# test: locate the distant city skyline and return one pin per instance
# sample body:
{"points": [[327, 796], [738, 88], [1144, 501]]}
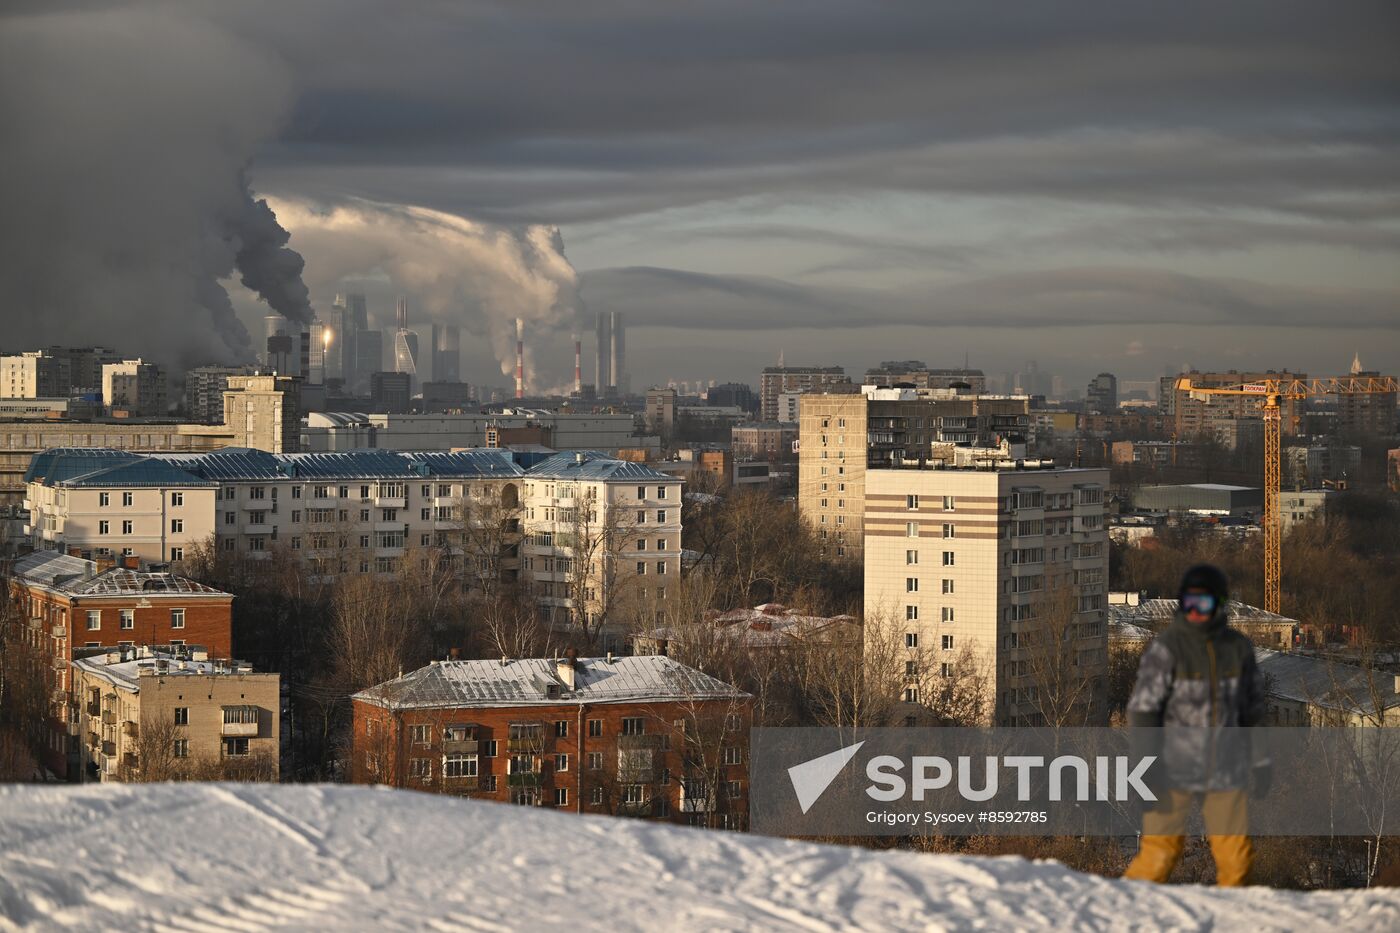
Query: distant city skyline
{"points": [[1118, 189]]}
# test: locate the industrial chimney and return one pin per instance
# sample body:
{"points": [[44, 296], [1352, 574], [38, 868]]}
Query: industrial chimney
{"points": [[519, 358], [578, 365]]}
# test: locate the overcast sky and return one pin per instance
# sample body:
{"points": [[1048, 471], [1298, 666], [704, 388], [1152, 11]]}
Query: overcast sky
{"points": [[1105, 185]]}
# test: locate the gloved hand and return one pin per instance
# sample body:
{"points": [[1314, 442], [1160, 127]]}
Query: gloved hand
{"points": [[1263, 778]]}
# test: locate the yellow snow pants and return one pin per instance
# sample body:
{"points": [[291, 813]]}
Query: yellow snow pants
{"points": [[1164, 837]]}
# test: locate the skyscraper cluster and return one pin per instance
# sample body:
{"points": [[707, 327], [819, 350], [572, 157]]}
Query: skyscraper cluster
{"points": [[612, 354]]}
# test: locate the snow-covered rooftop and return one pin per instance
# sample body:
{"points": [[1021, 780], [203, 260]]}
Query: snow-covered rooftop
{"points": [[191, 856], [75, 576], [125, 669], [527, 681], [1321, 682], [1155, 613]]}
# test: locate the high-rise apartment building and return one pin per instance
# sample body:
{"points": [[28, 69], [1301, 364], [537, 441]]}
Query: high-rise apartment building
{"points": [[1193, 418], [1102, 394], [264, 412], [204, 391], [842, 434], [134, 386], [918, 374], [1008, 561], [779, 379], [35, 374], [447, 353], [1366, 415]]}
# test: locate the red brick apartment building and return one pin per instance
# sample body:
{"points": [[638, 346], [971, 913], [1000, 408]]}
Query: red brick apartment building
{"points": [[68, 603], [634, 736]]}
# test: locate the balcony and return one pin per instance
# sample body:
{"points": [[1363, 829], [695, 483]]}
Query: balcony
{"points": [[240, 721], [129, 761], [531, 743], [109, 748], [390, 526], [60, 664], [131, 729], [94, 709], [109, 717], [636, 775], [631, 742], [461, 784], [459, 747], [391, 502], [263, 528], [523, 779], [93, 740], [59, 630]]}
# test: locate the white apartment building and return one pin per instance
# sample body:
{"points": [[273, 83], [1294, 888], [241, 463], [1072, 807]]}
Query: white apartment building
{"points": [[367, 511], [134, 386], [969, 557], [107, 502], [35, 374], [623, 519]]}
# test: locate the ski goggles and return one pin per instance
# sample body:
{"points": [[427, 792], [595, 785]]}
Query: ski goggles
{"points": [[1204, 603]]}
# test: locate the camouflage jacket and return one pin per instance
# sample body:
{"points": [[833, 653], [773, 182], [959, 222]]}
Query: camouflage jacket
{"points": [[1197, 682]]}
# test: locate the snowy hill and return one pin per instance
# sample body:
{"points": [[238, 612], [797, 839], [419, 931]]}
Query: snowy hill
{"points": [[246, 857]]}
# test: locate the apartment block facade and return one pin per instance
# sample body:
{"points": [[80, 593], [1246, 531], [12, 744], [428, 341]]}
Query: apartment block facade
{"points": [[134, 386], [776, 380], [842, 434], [147, 714], [979, 558], [71, 604], [638, 736], [1195, 417]]}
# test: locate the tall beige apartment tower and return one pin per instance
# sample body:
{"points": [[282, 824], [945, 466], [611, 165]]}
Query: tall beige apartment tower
{"points": [[990, 558], [844, 430], [264, 412]]}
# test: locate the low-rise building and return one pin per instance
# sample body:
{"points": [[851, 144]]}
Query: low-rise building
{"points": [[768, 440], [1266, 629], [1200, 498], [640, 736], [766, 627], [163, 715], [70, 604], [1306, 690]]}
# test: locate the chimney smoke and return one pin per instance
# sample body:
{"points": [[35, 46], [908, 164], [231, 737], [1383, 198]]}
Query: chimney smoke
{"points": [[519, 357]]}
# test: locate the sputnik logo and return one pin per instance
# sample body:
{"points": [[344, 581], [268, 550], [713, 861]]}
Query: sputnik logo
{"points": [[811, 778]]}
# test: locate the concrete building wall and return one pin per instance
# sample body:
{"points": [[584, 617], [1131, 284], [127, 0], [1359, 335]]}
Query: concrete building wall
{"points": [[151, 523], [983, 558], [135, 386], [264, 412]]}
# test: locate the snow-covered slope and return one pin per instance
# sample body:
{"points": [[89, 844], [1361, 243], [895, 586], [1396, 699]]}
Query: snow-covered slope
{"points": [[241, 857]]}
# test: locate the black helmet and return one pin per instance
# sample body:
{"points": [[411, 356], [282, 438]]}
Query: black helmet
{"points": [[1206, 577]]}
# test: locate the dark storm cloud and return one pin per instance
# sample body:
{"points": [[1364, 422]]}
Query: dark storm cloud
{"points": [[1076, 297]]}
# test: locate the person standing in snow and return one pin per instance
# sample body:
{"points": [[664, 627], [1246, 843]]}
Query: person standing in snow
{"points": [[1197, 679]]}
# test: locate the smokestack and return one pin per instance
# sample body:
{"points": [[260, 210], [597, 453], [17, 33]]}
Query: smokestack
{"points": [[578, 365], [519, 358]]}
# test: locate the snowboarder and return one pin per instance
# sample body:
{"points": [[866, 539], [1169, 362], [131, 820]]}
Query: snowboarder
{"points": [[1197, 679]]}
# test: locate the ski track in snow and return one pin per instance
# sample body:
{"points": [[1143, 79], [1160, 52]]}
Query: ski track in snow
{"points": [[243, 858]]}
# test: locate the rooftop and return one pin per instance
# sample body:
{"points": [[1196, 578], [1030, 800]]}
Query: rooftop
{"points": [[593, 464], [1155, 613], [535, 682], [125, 668], [765, 626], [1321, 682], [75, 576]]}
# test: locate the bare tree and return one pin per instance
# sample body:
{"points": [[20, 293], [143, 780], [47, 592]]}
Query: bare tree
{"points": [[1058, 651]]}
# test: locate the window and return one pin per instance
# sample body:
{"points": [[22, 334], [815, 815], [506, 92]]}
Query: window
{"points": [[947, 558], [595, 761], [177, 526], [128, 617], [911, 529], [633, 725], [177, 618], [230, 518], [911, 639], [182, 715], [488, 748], [127, 527], [102, 527], [661, 516], [911, 584], [911, 613], [126, 498], [947, 585], [595, 796], [420, 734], [661, 544], [911, 669], [947, 642], [458, 766], [661, 567], [561, 796], [240, 715], [948, 504], [94, 619], [911, 503], [420, 768], [911, 557], [946, 669], [641, 544], [182, 748], [634, 794], [595, 728], [103, 499], [296, 492], [561, 762], [660, 492], [733, 755], [177, 553], [948, 614], [257, 492], [911, 695], [177, 498], [949, 530], [641, 568]]}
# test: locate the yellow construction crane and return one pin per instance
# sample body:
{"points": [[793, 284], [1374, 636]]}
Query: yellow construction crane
{"points": [[1272, 392]]}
